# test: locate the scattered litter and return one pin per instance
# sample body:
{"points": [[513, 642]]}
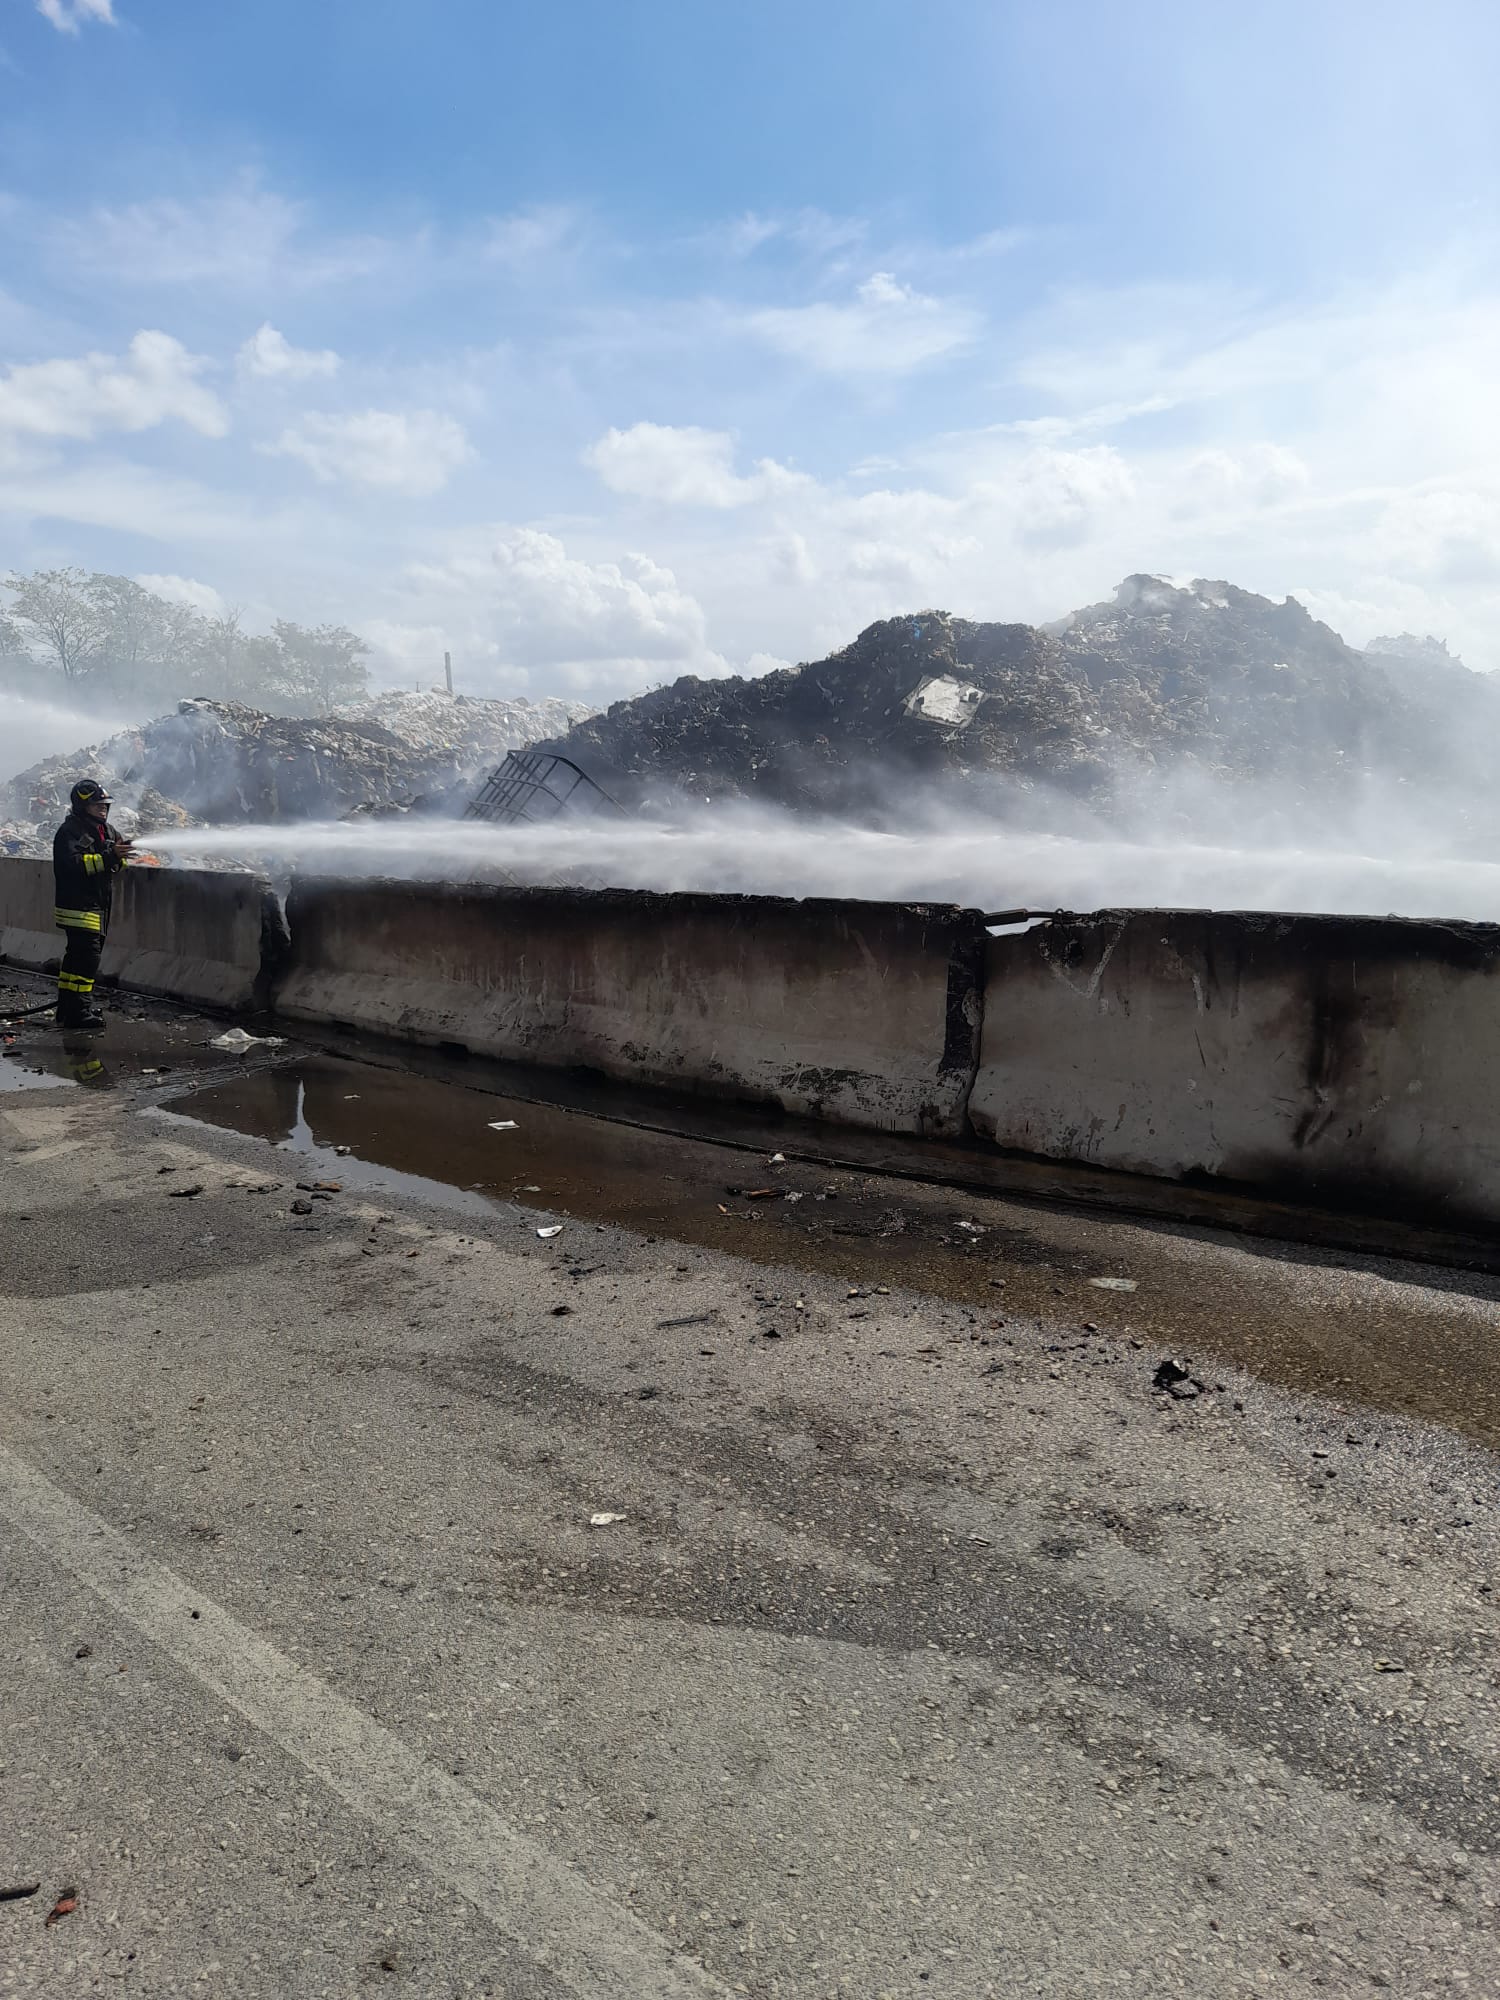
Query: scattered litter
{"points": [[530, 1188], [721, 1208], [558, 1311], [65, 1905], [185, 1194], [553, 1229], [236, 1042], [970, 1228], [150, 1072], [351, 1096], [1175, 1381], [761, 1194], [793, 1195], [692, 1319], [604, 1520], [1389, 1667], [17, 1890], [342, 1150], [777, 1160], [302, 1208], [1113, 1284], [84, 1653], [504, 1125]]}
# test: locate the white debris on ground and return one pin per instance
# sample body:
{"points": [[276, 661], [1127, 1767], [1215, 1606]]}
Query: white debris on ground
{"points": [[435, 720], [941, 698]]}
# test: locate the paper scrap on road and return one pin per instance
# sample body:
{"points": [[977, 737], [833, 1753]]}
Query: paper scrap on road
{"points": [[556, 1229], [604, 1520], [1113, 1284], [237, 1043], [504, 1125]]}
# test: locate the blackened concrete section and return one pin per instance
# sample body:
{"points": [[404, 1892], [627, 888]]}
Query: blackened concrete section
{"points": [[1348, 1061], [861, 1013]]}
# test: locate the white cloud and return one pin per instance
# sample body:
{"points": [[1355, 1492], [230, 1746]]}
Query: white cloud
{"points": [[411, 451], [240, 238], [887, 329], [1061, 495], [529, 234], [269, 355], [154, 382], [683, 466], [1259, 475], [184, 590], [593, 625], [68, 16]]}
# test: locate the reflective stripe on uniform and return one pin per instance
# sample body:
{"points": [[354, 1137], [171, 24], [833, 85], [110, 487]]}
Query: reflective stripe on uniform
{"points": [[78, 920], [74, 982], [93, 864]]}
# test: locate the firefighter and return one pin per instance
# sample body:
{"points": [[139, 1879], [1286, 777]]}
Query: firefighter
{"points": [[87, 854]]}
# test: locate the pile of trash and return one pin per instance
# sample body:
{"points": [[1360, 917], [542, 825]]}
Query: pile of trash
{"points": [[218, 763], [1168, 679]]}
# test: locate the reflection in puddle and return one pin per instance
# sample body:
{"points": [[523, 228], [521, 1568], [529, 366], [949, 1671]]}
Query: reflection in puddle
{"points": [[276, 1101]]}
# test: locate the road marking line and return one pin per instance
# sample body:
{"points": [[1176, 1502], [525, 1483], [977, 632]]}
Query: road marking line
{"points": [[555, 1914]]}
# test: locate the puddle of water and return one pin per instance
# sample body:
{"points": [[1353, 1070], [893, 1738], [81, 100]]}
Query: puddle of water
{"points": [[262, 1103], [1293, 1315], [17, 1074], [137, 1048]]}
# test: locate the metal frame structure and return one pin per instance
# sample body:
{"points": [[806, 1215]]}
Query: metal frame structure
{"points": [[533, 786]]}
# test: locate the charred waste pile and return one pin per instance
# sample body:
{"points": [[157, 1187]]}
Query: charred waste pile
{"points": [[217, 763], [1168, 687]]}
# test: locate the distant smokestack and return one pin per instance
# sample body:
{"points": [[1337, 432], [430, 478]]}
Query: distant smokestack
{"points": [[448, 670]]}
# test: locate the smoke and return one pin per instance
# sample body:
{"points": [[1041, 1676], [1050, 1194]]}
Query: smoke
{"points": [[755, 851], [36, 728]]}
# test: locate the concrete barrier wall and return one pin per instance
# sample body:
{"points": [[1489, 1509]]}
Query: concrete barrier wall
{"points": [[195, 934], [198, 934], [1347, 1061], [27, 933], [864, 1013]]}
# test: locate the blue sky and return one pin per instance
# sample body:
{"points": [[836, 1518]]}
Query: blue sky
{"points": [[605, 343]]}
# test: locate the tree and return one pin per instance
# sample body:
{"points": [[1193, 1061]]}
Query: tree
{"points": [[319, 668], [57, 614]]}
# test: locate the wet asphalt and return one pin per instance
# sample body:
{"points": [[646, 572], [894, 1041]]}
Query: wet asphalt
{"points": [[932, 1649]]}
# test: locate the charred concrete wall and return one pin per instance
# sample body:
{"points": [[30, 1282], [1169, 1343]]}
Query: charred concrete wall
{"points": [[215, 939], [1347, 1061], [862, 1013]]}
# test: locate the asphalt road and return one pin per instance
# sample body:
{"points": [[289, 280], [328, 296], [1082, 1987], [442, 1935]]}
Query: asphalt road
{"points": [[927, 1649]]}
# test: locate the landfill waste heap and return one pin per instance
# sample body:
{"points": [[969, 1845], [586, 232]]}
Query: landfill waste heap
{"points": [[219, 763], [1167, 680]]}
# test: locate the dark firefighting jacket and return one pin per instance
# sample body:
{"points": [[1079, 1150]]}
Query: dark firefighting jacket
{"points": [[86, 858]]}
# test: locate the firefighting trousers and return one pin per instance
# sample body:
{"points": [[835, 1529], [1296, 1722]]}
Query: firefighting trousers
{"points": [[79, 969]]}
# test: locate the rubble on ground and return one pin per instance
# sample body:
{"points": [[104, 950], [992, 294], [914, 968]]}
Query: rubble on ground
{"points": [[1197, 680], [220, 763]]}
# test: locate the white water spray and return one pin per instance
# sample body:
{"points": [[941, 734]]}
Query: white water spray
{"points": [[749, 852]]}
